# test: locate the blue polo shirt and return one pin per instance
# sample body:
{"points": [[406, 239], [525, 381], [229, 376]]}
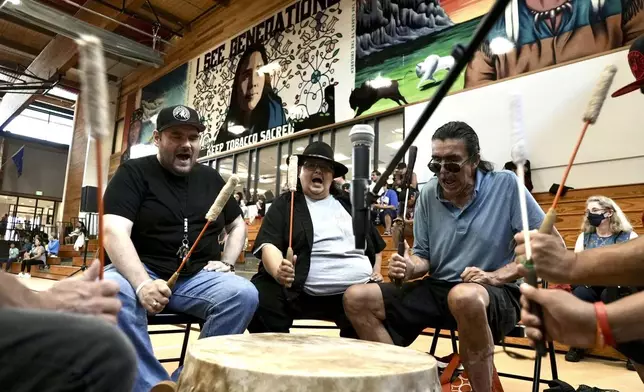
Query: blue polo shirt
{"points": [[479, 235]]}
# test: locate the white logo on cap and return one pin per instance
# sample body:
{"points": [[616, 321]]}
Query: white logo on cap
{"points": [[181, 113]]}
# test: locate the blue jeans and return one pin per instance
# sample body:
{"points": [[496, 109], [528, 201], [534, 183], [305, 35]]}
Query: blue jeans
{"points": [[224, 301]]}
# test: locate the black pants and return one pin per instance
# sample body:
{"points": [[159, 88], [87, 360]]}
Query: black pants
{"points": [[7, 263], [276, 313], [423, 303], [632, 350], [62, 352], [28, 263]]}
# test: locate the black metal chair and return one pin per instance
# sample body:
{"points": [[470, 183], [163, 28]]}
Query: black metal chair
{"points": [[517, 332], [181, 320]]}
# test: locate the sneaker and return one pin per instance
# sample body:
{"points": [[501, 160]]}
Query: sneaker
{"points": [[27, 276], [21, 275], [630, 365], [575, 354]]}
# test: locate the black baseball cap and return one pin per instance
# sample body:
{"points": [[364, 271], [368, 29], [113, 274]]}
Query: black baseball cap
{"points": [[178, 115]]}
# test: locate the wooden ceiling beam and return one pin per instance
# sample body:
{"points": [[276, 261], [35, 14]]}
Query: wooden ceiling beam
{"points": [[60, 55], [165, 15], [18, 46], [27, 25]]}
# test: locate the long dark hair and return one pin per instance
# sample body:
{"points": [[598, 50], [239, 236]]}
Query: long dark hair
{"points": [[260, 115], [460, 130]]}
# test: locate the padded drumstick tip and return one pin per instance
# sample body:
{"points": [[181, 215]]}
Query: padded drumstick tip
{"points": [[222, 198], [292, 173], [94, 98], [599, 94], [519, 151]]}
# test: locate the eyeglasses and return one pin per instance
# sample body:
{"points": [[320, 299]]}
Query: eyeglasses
{"points": [[312, 166], [451, 167]]}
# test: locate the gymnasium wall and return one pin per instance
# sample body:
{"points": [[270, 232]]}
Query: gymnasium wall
{"points": [[554, 102], [43, 168]]}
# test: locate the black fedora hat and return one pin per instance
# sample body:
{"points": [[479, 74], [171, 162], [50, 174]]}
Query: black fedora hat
{"points": [[323, 151]]}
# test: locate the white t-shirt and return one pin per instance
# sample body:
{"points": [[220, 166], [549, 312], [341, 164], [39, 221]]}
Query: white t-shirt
{"points": [[335, 262]]}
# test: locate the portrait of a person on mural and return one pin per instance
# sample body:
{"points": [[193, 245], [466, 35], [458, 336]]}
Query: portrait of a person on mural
{"points": [[254, 105]]}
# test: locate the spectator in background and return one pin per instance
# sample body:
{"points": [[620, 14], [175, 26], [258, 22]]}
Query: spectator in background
{"points": [[241, 201], [36, 256], [26, 246], [53, 246], [78, 230], [527, 174], [13, 257], [387, 205], [261, 206], [341, 180], [399, 175], [603, 224]]}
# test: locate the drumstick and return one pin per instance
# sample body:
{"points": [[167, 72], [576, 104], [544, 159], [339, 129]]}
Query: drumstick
{"points": [[291, 179], [590, 117], [212, 215], [94, 99], [519, 157]]}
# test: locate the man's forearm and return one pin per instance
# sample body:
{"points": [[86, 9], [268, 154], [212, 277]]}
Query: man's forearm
{"points": [[508, 273], [621, 264], [377, 266], [124, 257], [14, 294], [626, 317], [271, 258], [234, 242], [421, 266]]}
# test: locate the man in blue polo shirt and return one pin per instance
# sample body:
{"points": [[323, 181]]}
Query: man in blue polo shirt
{"points": [[464, 223]]}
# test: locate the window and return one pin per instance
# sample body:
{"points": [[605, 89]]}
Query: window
{"points": [[117, 142], [326, 137], [390, 138], [283, 166], [226, 167], [242, 173], [267, 172], [343, 148], [299, 145]]}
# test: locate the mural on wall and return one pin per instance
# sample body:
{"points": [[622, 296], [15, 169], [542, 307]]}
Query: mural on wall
{"points": [[134, 134], [535, 34], [171, 89], [293, 71], [404, 46]]}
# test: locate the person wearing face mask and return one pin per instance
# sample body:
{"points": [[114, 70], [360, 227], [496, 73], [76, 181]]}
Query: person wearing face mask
{"points": [[325, 261], [155, 207], [464, 223], [603, 224]]}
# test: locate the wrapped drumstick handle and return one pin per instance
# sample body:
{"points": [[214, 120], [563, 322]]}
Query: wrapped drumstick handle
{"points": [[212, 215], [536, 309], [292, 185]]}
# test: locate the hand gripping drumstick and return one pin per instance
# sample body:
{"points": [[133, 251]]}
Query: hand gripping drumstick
{"points": [[292, 185], [519, 157], [406, 183], [590, 117], [94, 101], [212, 215]]}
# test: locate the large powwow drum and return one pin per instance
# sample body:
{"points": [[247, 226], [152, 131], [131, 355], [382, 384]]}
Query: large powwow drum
{"points": [[304, 363]]}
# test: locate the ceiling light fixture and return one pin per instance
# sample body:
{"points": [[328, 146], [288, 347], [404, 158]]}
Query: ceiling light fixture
{"points": [[73, 28]]}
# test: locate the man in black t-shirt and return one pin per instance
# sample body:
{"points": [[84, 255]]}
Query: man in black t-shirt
{"points": [[155, 207]]}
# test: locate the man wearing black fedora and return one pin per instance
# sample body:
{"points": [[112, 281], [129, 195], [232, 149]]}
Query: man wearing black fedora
{"points": [[325, 261]]}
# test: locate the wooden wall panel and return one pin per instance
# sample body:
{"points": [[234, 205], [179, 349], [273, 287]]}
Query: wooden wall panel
{"points": [[76, 168]]}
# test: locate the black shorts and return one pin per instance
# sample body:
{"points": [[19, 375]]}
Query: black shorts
{"points": [[423, 303]]}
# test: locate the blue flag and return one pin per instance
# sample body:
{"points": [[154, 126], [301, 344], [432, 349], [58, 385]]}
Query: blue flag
{"points": [[17, 159]]}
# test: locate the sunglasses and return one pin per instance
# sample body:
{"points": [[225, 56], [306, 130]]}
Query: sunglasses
{"points": [[312, 166], [452, 167]]}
